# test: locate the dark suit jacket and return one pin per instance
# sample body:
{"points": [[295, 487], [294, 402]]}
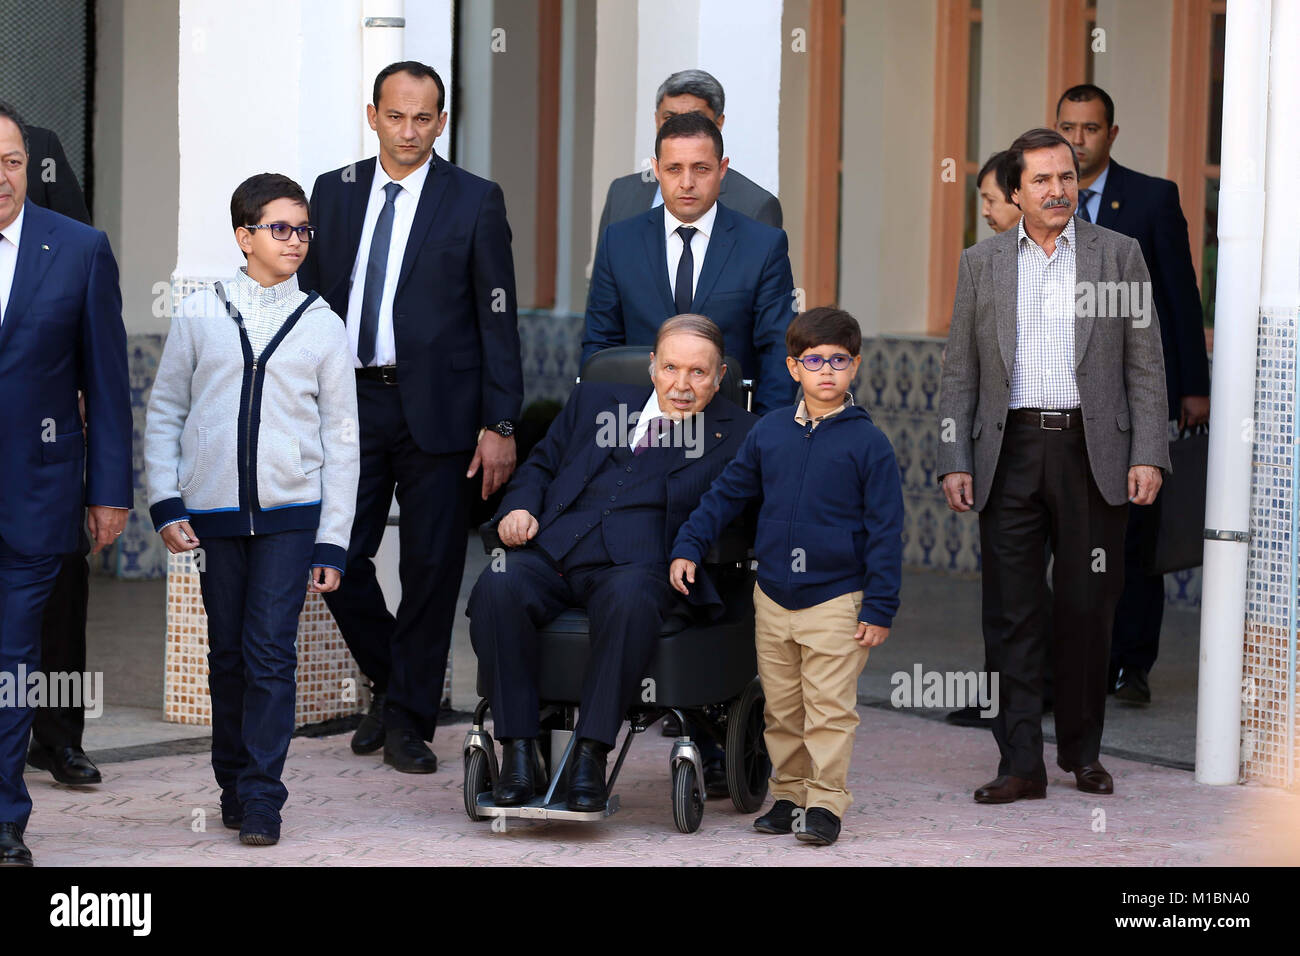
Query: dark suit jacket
{"points": [[62, 330], [1146, 208], [561, 465], [632, 195], [53, 184], [1118, 365], [454, 311], [745, 286]]}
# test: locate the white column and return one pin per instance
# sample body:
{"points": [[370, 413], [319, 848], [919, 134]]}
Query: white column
{"points": [[383, 35], [1232, 392]]}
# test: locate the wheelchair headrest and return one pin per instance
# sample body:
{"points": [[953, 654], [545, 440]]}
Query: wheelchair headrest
{"points": [[630, 364]]}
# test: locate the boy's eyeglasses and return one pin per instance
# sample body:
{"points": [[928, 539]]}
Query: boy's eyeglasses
{"points": [[281, 231], [839, 361]]}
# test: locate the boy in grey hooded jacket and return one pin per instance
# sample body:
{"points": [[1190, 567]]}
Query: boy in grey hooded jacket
{"points": [[253, 460]]}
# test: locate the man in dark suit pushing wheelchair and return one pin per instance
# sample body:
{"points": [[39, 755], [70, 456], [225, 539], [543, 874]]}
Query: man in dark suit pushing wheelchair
{"points": [[588, 519]]}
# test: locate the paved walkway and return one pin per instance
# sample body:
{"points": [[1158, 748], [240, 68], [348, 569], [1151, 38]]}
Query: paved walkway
{"points": [[912, 778]]}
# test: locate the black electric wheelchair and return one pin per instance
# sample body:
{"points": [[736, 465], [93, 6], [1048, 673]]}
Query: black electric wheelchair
{"points": [[703, 672]]}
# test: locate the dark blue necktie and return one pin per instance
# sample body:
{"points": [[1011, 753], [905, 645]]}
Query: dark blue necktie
{"points": [[653, 434], [376, 269], [685, 290], [1085, 196]]}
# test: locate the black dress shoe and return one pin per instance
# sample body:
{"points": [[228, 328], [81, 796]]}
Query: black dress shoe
{"points": [[969, 717], [820, 827], [259, 830], [1008, 789], [670, 726], [780, 819], [69, 765], [587, 776], [369, 735], [13, 851], [405, 751], [1131, 686], [1091, 778], [515, 784]]}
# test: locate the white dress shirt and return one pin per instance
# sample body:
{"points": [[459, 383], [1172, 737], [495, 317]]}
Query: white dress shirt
{"points": [[1042, 375], [403, 215], [699, 245], [649, 412], [9, 259]]}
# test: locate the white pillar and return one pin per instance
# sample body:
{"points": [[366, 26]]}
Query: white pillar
{"points": [[1232, 392], [383, 35]]}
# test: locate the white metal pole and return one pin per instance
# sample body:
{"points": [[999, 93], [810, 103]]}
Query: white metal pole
{"points": [[383, 41], [1232, 392]]}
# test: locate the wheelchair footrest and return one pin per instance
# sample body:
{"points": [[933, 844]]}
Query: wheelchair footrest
{"points": [[538, 810]]}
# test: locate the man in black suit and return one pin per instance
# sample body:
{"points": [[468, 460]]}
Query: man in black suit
{"points": [[688, 91], [57, 731], [589, 519], [415, 253], [1146, 208]]}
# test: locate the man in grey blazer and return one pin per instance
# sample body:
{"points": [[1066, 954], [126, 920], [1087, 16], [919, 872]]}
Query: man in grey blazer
{"points": [[689, 91], [1053, 419]]}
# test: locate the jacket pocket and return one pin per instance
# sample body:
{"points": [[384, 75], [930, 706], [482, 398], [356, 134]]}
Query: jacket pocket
{"points": [[280, 477], [194, 454], [68, 446], [1122, 420]]}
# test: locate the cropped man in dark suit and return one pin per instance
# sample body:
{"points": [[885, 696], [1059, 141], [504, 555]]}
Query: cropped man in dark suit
{"points": [[1146, 208], [415, 253], [688, 91], [60, 331], [1051, 421], [693, 254], [57, 731], [590, 517]]}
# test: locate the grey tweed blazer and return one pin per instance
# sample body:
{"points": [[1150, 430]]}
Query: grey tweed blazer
{"points": [[1119, 362]]}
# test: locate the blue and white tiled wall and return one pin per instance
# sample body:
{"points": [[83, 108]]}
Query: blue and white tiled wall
{"points": [[898, 383]]}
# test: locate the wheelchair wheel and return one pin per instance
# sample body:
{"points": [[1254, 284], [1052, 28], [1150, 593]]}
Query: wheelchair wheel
{"points": [[476, 781], [688, 797], [748, 766]]}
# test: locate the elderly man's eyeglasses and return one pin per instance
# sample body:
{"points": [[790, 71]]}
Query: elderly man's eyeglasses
{"points": [[281, 231], [839, 361]]}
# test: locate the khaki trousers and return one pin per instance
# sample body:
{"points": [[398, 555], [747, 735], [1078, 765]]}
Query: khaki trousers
{"points": [[809, 664]]}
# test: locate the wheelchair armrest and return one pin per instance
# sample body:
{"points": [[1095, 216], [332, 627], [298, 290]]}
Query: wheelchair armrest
{"points": [[487, 533]]}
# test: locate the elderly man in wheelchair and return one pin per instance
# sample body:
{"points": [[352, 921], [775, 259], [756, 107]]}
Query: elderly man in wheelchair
{"points": [[585, 528]]}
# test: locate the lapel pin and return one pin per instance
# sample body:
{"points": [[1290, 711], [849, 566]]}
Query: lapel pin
{"points": [[45, 247], [717, 434], [1114, 204]]}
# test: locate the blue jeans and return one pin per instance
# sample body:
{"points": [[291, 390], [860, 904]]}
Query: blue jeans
{"points": [[253, 591]]}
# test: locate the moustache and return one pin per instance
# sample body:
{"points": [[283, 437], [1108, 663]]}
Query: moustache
{"points": [[1062, 203]]}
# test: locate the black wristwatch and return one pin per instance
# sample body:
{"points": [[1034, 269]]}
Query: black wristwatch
{"points": [[505, 428]]}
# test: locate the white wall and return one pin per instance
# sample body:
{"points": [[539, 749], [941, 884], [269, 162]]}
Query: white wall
{"points": [[136, 155], [1134, 70]]}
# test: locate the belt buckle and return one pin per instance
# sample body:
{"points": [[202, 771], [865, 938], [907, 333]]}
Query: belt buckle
{"points": [[1042, 421], [388, 374]]}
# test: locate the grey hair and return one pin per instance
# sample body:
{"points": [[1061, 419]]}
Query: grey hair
{"points": [[694, 324], [694, 83]]}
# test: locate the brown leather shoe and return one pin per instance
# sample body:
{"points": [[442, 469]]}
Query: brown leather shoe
{"points": [[1091, 778], [1008, 789]]}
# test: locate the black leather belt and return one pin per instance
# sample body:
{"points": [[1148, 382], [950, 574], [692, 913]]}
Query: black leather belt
{"points": [[379, 373], [1046, 419]]}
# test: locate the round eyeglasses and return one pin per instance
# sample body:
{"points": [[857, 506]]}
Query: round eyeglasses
{"points": [[281, 231], [839, 361]]}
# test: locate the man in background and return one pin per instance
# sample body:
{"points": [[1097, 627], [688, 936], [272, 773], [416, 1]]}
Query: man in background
{"points": [[1146, 208], [689, 91]]}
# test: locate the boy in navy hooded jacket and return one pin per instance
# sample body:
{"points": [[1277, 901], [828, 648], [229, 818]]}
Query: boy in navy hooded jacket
{"points": [[829, 549]]}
